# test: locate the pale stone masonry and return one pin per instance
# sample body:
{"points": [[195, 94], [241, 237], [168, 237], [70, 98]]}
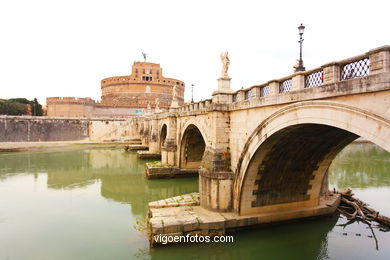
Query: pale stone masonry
{"points": [[267, 152]]}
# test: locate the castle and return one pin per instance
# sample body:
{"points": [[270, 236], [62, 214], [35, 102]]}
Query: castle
{"points": [[146, 89]]}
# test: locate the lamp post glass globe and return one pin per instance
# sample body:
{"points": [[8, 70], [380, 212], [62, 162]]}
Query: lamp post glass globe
{"points": [[301, 28]]}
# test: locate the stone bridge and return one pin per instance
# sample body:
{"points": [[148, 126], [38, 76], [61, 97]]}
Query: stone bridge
{"points": [[268, 148]]}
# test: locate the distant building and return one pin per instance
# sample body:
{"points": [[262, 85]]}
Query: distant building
{"points": [[123, 96]]}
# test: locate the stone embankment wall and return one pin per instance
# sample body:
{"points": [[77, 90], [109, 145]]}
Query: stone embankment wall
{"points": [[41, 129]]}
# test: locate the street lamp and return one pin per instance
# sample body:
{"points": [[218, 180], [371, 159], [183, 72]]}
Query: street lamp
{"points": [[300, 67]]}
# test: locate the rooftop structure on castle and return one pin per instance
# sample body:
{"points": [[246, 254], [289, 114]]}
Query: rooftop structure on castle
{"points": [[144, 89]]}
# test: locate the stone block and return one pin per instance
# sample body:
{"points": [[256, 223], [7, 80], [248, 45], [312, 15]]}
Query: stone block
{"points": [[146, 155], [157, 171]]}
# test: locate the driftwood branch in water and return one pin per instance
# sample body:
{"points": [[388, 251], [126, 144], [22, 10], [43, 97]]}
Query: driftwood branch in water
{"points": [[354, 208], [373, 235]]}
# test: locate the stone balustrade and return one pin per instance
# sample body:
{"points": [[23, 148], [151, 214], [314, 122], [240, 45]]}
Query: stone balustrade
{"points": [[201, 105], [373, 62]]}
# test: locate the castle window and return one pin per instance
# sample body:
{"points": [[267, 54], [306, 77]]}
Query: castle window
{"points": [[147, 78], [136, 70], [143, 71]]}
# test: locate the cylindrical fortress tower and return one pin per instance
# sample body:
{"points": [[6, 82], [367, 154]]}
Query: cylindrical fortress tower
{"points": [[145, 86]]}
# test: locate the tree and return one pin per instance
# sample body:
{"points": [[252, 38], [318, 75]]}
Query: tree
{"points": [[19, 106]]}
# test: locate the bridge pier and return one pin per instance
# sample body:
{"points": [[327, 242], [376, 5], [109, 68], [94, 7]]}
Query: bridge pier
{"points": [[215, 176], [154, 145], [169, 147], [153, 148], [216, 190], [145, 132]]}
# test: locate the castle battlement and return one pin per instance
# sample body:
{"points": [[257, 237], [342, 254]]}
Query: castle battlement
{"points": [[71, 100], [133, 80]]}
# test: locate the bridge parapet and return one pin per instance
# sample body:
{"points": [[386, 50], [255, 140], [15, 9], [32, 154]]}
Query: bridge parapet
{"points": [[295, 87], [316, 83], [201, 105]]}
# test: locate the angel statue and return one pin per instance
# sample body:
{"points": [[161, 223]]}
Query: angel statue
{"points": [[175, 92], [157, 101], [225, 64]]}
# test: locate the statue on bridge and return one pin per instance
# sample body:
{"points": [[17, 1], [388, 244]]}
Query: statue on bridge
{"points": [[175, 95], [175, 92], [225, 64], [157, 102], [148, 109]]}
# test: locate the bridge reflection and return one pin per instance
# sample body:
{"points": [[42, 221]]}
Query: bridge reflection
{"points": [[120, 174], [308, 240]]}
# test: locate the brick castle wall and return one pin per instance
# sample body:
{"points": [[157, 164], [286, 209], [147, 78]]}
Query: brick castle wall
{"points": [[123, 96]]}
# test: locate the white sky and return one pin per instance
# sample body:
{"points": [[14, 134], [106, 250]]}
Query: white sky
{"points": [[64, 48]]}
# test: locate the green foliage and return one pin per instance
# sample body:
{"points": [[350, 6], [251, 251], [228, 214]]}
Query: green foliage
{"points": [[141, 224], [20, 106], [8, 107], [20, 100]]}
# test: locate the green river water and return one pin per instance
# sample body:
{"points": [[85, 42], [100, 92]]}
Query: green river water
{"points": [[84, 204]]}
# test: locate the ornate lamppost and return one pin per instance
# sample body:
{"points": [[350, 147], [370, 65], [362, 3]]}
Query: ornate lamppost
{"points": [[300, 67]]}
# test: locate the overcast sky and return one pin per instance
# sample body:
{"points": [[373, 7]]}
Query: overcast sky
{"points": [[64, 48]]}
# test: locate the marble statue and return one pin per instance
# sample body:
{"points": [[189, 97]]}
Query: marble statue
{"points": [[225, 64], [175, 92], [157, 102]]}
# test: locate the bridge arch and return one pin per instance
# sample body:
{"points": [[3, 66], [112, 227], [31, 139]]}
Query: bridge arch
{"points": [[192, 147], [284, 161], [163, 134]]}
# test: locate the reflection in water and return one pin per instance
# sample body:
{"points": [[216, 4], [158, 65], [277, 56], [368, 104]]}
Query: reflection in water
{"points": [[120, 174], [361, 165], [292, 241], [137, 191], [75, 205]]}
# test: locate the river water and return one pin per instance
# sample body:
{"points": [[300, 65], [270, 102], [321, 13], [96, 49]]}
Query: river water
{"points": [[88, 204]]}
